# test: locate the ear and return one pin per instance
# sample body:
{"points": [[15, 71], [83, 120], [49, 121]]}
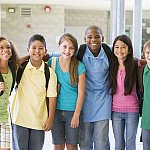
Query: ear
{"points": [[102, 39], [27, 50], [84, 39], [45, 51]]}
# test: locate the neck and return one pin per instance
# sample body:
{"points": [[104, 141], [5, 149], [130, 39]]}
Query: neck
{"points": [[121, 65], [36, 64], [3, 66]]}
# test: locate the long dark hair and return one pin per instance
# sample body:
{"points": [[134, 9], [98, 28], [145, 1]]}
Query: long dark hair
{"points": [[129, 63]]}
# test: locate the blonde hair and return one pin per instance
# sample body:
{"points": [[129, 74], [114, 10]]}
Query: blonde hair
{"points": [[73, 67], [146, 45]]}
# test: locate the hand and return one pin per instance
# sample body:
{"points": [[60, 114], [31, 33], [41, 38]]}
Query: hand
{"points": [[47, 125], [2, 86], [75, 121]]}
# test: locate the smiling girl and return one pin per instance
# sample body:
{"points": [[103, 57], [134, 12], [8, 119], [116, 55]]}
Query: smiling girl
{"points": [[125, 106], [8, 55], [71, 79]]}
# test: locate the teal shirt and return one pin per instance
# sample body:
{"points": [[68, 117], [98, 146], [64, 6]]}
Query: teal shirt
{"points": [[145, 121], [4, 99], [68, 94]]}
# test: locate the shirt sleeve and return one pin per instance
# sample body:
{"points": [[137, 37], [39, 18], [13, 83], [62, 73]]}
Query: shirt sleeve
{"points": [[54, 54], [52, 85], [81, 68]]}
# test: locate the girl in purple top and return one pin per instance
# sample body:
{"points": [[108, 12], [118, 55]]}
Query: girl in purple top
{"points": [[125, 105]]}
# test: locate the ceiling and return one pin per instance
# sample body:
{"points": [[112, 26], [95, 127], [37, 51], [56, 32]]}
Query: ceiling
{"points": [[81, 4]]}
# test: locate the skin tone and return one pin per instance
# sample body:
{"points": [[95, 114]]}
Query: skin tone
{"points": [[37, 52], [93, 38], [5, 54], [121, 52], [147, 56], [67, 51]]}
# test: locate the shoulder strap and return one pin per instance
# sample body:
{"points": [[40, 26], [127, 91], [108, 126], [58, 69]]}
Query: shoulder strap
{"points": [[53, 64], [13, 71], [47, 74], [107, 51], [81, 52], [82, 49], [20, 72]]}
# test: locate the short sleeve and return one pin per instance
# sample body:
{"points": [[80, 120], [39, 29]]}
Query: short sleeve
{"points": [[52, 85], [81, 68]]}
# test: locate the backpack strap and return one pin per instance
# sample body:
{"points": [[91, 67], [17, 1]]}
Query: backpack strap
{"points": [[20, 72], [107, 51], [53, 64], [82, 49], [81, 52], [47, 74], [13, 71]]}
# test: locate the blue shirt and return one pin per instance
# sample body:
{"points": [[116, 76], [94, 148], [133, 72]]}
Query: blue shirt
{"points": [[98, 100], [68, 94]]}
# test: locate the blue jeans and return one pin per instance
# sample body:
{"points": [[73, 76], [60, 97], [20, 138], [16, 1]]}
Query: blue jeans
{"points": [[146, 139], [125, 129], [62, 132], [27, 139], [94, 134]]}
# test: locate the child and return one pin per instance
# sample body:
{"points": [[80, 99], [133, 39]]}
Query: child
{"points": [[145, 121], [29, 111], [125, 106], [8, 55], [71, 78]]}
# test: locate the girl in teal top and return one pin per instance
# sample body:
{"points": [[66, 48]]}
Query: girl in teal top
{"points": [[71, 87], [145, 121], [7, 54]]}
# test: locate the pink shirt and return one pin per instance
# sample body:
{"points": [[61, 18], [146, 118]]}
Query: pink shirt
{"points": [[122, 103]]}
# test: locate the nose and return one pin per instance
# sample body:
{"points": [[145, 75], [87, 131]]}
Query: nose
{"points": [[37, 50]]}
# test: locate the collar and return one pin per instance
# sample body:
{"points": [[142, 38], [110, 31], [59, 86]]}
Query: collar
{"points": [[101, 54], [30, 66]]}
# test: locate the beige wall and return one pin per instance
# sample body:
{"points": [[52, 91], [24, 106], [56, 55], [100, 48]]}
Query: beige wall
{"points": [[59, 20]]}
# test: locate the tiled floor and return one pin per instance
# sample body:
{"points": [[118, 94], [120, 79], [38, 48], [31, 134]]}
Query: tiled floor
{"points": [[48, 144]]}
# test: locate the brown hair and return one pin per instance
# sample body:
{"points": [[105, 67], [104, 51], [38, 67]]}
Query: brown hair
{"points": [[73, 68]]}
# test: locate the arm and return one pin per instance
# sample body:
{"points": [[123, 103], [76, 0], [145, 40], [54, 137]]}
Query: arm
{"points": [[80, 100], [143, 62], [49, 122], [52, 54], [52, 95]]}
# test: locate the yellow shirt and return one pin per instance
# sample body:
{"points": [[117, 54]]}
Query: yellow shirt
{"points": [[29, 107]]}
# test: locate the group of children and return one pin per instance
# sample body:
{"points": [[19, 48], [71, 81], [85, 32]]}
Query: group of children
{"points": [[78, 99]]}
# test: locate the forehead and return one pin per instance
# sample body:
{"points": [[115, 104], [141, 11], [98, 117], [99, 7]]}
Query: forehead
{"points": [[4, 42], [118, 42], [92, 32], [36, 43], [147, 48], [66, 42]]}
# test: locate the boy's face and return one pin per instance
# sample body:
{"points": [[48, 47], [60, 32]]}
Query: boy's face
{"points": [[147, 55], [36, 51], [93, 38]]}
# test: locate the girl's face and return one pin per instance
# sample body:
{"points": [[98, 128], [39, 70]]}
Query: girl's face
{"points": [[5, 50], [121, 50], [147, 55], [36, 51], [67, 49]]}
